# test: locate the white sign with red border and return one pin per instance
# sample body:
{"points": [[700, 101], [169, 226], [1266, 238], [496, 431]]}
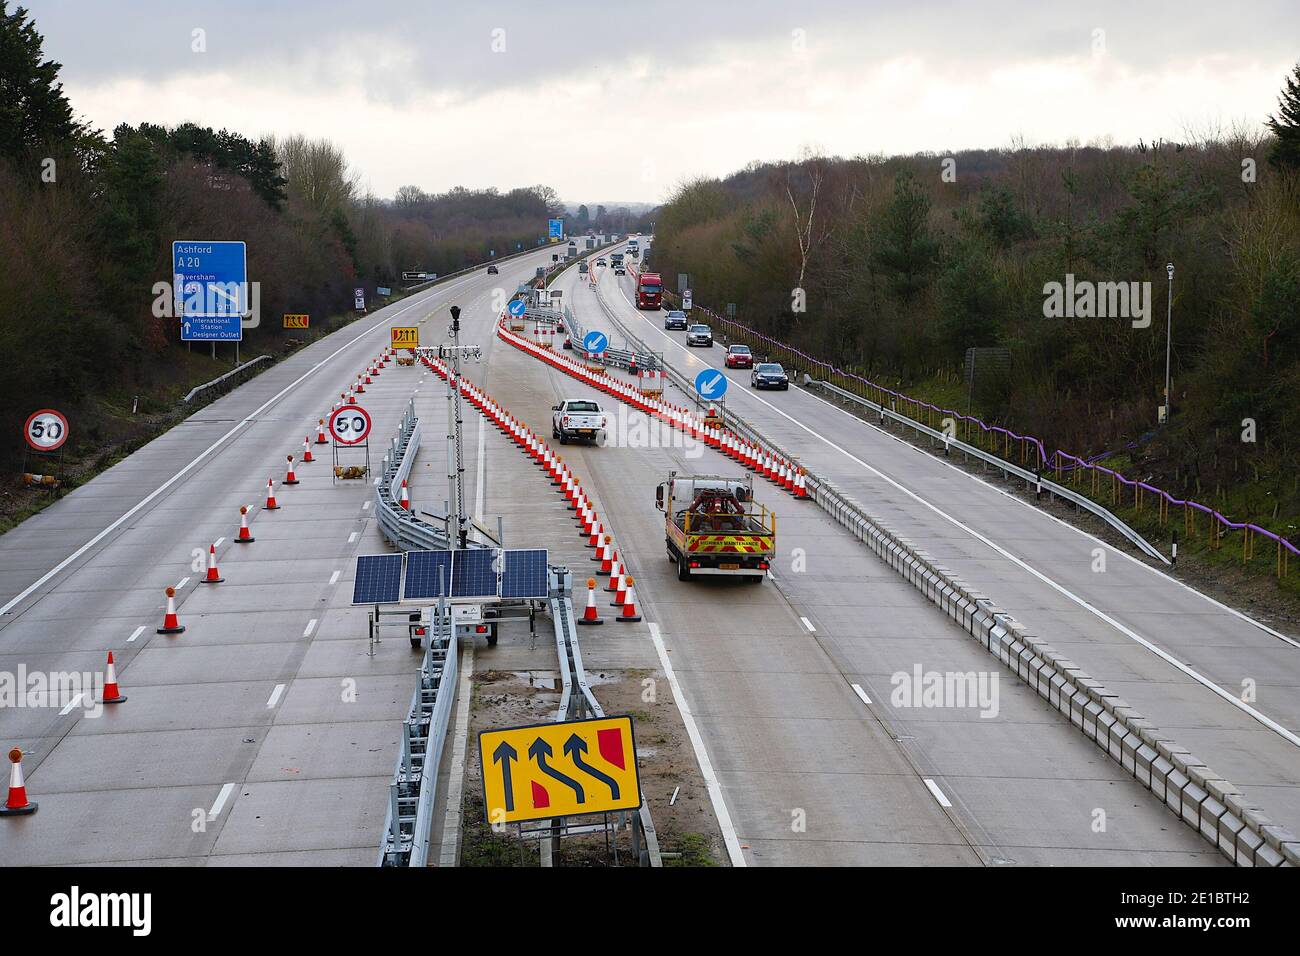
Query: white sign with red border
{"points": [[46, 430], [350, 425]]}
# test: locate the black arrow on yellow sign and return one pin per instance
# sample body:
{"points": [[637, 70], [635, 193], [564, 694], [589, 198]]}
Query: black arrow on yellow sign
{"points": [[539, 751], [574, 748], [503, 755]]}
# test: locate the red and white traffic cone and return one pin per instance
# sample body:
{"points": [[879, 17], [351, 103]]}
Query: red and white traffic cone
{"points": [[214, 576], [629, 614], [620, 587], [606, 559], [574, 495], [597, 530], [112, 693], [405, 500], [787, 479], [270, 496], [615, 575], [360, 387], [245, 536], [306, 451], [800, 486], [589, 616], [289, 477], [17, 804], [320, 433], [171, 623]]}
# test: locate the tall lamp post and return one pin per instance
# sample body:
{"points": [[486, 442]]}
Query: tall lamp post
{"points": [[1169, 341]]}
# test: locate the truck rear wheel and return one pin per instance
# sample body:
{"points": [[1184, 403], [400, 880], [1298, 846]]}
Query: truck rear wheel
{"points": [[683, 570]]}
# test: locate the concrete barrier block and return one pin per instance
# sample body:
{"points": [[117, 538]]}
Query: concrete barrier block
{"points": [[1190, 801], [1142, 760]]}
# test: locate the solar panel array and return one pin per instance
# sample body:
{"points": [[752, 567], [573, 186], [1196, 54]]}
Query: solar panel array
{"points": [[485, 573], [378, 580]]}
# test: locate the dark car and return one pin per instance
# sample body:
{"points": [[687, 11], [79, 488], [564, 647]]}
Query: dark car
{"points": [[769, 375], [700, 335], [620, 271], [676, 319], [492, 270], [739, 356]]}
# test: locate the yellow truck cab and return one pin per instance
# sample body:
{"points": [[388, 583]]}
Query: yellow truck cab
{"points": [[713, 526]]}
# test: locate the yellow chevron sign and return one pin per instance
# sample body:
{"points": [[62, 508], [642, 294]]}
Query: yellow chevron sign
{"points": [[296, 320], [559, 770], [405, 337]]}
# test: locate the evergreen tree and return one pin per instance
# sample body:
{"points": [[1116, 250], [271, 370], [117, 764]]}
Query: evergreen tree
{"points": [[1286, 125], [33, 110]]}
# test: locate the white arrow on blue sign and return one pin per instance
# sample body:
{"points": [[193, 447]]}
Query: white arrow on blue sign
{"points": [[595, 342], [517, 307], [711, 384], [210, 285]]}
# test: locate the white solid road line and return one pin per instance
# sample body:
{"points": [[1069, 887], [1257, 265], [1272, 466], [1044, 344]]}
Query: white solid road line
{"points": [[222, 797], [58, 568], [71, 704], [808, 624], [275, 697], [1061, 589], [456, 773], [729, 837], [938, 794], [311, 626], [136, 633], [334, 577], [862, 694]]}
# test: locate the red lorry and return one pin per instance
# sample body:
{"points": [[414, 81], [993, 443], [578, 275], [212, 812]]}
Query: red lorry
{"points": [[649, 290]]}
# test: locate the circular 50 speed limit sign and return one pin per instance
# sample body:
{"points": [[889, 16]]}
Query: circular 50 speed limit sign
{"points": [[350, 425], [46, 430]]}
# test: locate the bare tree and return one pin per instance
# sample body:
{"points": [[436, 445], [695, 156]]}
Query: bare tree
{"points": [[807, 233]]}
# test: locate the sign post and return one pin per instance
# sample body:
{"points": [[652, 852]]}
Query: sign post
{"points": [[45, 432], [350, 426]]}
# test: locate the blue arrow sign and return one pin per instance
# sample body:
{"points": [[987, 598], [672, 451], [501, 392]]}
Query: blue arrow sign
{"points": [[711, 384], [210, 285], [517, 307], [595, 343], [555, 228]]}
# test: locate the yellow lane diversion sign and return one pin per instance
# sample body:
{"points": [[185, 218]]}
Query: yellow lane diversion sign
{"points": [[405, 337], [293, 320], [559, 770]]}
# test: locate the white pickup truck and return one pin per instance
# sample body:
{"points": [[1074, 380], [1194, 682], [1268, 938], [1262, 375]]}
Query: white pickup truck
{"points": [[577, 418]]}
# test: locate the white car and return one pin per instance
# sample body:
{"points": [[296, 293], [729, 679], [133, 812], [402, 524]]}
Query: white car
{"points": [[577, 418]]}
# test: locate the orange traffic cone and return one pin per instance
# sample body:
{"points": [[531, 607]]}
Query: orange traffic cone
{"points": [[17, 804], [406, 498], [270, 496], [214, 576], [606, 559], [171, 623], [629, 609], [245, 536], [800, 486], [620, 587], [589, 616], [320, 433], [306, 451], [290, 478], [112, 693], [615, 575]]}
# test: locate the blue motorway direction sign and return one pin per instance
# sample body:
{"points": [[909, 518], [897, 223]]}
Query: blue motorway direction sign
{"points": [[710, 384], [210, 284], [517, 307], [595, 343], [556, 228]]}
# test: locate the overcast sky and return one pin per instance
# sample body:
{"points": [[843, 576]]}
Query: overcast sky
{"points": [[622, 101]]}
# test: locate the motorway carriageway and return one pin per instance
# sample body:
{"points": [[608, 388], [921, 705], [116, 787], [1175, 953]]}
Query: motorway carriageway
{"points": [[264, 734], [787, 682], [1180, 658]]}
